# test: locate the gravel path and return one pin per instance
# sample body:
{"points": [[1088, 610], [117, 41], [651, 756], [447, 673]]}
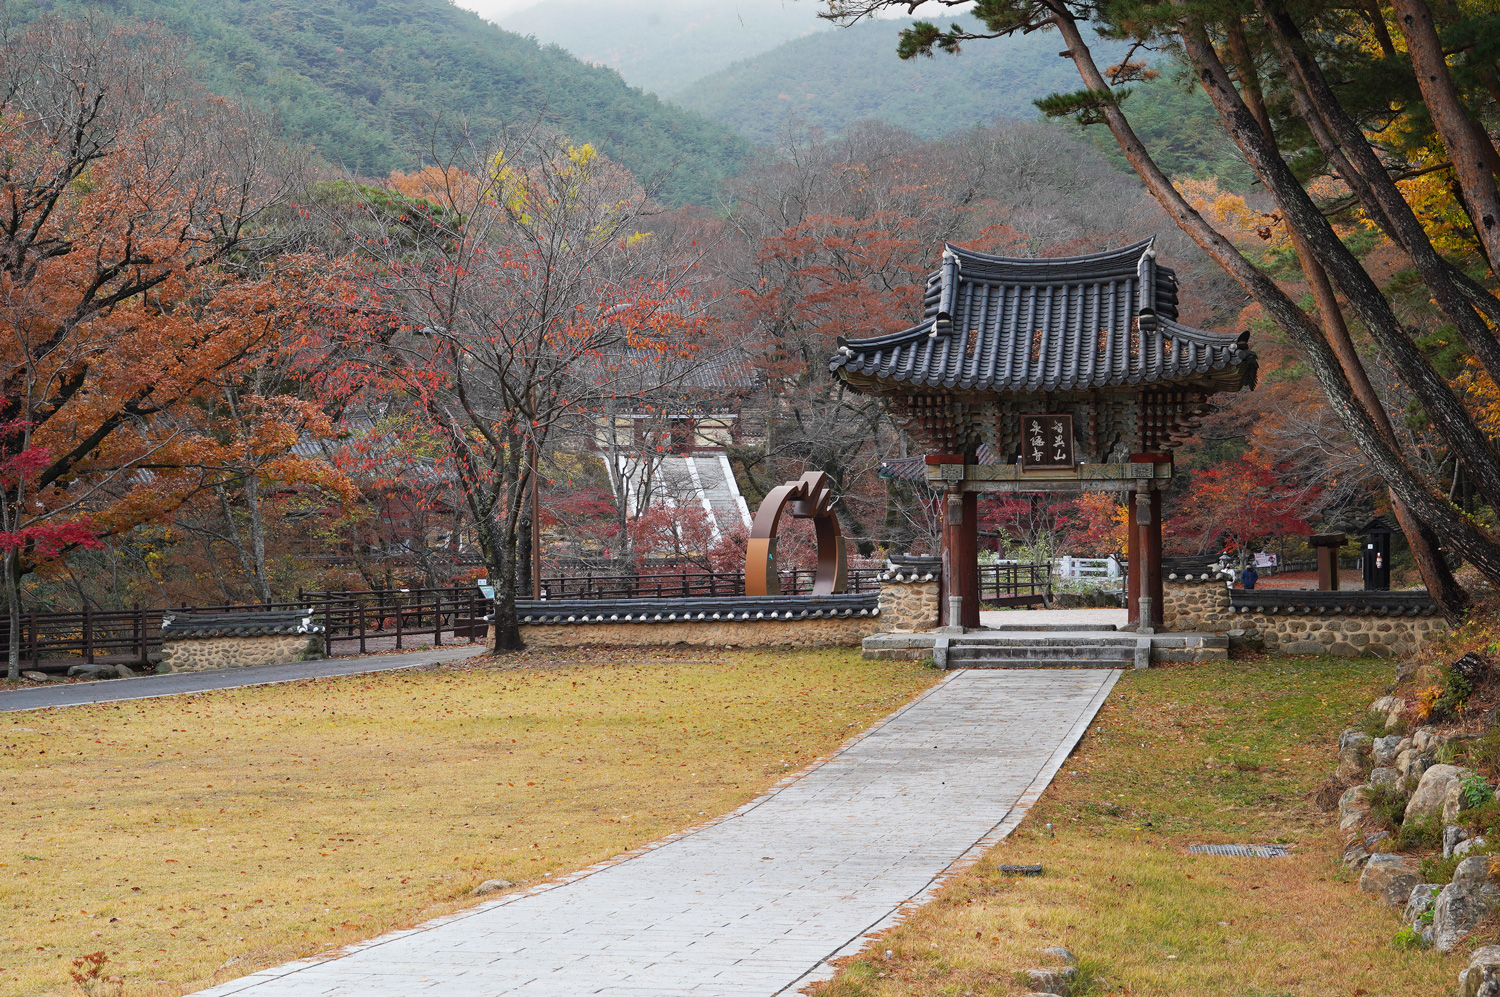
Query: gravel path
{"points": [[757, 902]]}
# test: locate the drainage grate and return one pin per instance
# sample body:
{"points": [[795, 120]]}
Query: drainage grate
{"points": [[1241, 851]]}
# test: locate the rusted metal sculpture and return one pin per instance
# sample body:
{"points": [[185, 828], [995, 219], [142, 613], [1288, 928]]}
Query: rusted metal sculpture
{"points": [[809, 497]]}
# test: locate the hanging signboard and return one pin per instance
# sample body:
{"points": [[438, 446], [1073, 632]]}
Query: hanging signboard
{"points": [[1046, 442]]}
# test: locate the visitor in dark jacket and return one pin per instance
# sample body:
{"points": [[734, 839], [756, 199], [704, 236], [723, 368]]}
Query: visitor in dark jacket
{"points": [[1249, 576]]}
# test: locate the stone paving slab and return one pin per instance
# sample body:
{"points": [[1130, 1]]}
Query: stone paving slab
{"points": [[1093, 615], [757, 902], [179, 683]]}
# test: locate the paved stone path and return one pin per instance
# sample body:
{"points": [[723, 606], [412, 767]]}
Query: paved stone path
{"points": [[757, 902], [1053, 617], [151, 686]]}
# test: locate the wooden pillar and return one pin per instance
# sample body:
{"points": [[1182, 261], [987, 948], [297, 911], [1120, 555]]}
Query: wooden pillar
{"points": [[1154, 572], [961, 558], [1147, 582], [968, 560], [1133, 564]]}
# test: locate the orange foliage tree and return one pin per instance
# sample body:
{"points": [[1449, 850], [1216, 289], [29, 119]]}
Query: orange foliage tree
{"points": [[507, 297], [1236, 505], [126, 191]]}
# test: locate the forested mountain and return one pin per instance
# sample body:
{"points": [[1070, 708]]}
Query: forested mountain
{"points": [[363, 80], [1178, 124], [831, 79], [663, 45]]}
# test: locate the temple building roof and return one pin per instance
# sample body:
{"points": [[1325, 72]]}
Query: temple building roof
{"points": [[996, 324]]}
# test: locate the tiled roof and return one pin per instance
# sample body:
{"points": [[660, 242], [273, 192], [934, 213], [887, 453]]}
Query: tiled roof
{"points": [[696, 610], [177, 626], [997, 324]]}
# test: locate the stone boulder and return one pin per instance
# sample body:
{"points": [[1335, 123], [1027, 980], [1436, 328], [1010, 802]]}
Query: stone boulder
{"points": [[1482, 977], [1355, 747], [1453, 836], [1383, 750], [1412, 763], [1384, 777], [1453, 803], [1463, 903], [1425, 739], [1431, 795], [1052, 981], [1423, 896], [1361, 848], [1391, 877], [31, 676], [1353, 806], [93, 671], [1465, 847], [491, 886]]}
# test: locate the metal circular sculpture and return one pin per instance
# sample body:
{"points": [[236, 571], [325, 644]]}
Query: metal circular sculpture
{"points": [[809, 497]]}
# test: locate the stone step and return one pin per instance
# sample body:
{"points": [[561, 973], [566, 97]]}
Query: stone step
{"points": [[1031, 663], [1045, 627], [1190, 654], [1043, 641], [991, 653]]}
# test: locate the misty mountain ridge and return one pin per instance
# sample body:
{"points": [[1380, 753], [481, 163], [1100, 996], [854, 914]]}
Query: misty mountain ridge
{"points": [[664, 45]]}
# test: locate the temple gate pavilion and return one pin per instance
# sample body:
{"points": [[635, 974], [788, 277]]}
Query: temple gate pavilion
{"points": [[1071, 373]]}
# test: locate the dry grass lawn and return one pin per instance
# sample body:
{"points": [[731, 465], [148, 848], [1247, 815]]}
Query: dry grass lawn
{"points": [[198, 838], [1179, 755]]}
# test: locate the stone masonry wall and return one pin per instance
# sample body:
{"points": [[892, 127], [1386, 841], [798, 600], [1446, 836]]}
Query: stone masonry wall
{"points": [[908, 606], [207, 653], [1204, 606], [835, 632]]}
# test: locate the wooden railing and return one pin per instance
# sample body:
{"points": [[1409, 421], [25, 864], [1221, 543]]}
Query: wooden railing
{"points": [[1015, 584], [356, 622], [125, 636], [688, 584]]}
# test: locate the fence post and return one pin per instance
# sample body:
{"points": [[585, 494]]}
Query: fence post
{"points": [[437, 619], [36, 660], [399, 621], [88, 634], [361, 605]]}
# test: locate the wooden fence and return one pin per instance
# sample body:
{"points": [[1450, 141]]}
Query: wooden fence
{"points": [[689, 584], [356, 622], [1015, 584]]}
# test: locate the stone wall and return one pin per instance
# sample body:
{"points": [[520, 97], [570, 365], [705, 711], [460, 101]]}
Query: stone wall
{"points": [[203, 654], [1204, 606], [833, 632], [908, 602]]}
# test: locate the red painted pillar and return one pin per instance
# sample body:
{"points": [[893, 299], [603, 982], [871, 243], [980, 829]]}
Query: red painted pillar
{"points": [[1158, 605], [967, 550], [1134, 563], [961, 558], [1148, 552]]}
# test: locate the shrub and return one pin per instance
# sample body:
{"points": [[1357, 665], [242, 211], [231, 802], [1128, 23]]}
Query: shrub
{"points": [[1374, 725], [1388, 806], [1483, 819], [1436, 869], [1440, 870], [1484, 753], [1406, 938], [1420, 832], [1474, 792]]}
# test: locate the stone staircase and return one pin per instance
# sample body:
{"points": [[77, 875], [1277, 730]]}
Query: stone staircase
{"points": [[1073, 646], [704, 480], [1040, 650]]}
